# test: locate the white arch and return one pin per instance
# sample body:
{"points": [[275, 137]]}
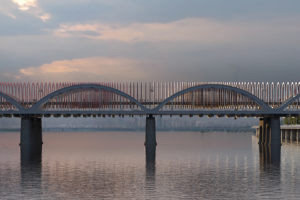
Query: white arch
{"points": [[260, 102], [37, 106], [12, 101]]}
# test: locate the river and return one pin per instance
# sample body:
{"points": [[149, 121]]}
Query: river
{"points": [[111, 165]]}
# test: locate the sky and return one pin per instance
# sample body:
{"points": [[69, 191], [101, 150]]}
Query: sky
{"points": [[142, 40]]}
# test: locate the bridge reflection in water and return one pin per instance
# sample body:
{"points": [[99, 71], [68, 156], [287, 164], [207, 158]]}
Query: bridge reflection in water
{"points": [[33, 101]]}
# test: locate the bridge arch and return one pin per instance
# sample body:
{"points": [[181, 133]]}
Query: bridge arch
{"points": [[288, 102], [37, 106], [264, 106], [12, 101]]}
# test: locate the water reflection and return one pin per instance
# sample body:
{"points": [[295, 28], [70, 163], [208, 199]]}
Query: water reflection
{"points": [[270, 171], [150, 180], [268, 156], [150, 170], [31, 155], [31, 163], [112, 166], [31, 170]]}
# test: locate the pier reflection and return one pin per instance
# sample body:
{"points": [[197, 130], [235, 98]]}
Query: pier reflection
{"points": [[150, 179], [150, 170], [31, 156], [269, 157], [270, 171], [31, 167]]}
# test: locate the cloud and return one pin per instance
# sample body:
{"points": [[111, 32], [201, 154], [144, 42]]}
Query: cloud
{"points": [[196, 49], [186, 29], [85, 69], [25, 5], [32, 7], [11, 8], [55, 67], [45, 17], [190, 29], [204, 31]]}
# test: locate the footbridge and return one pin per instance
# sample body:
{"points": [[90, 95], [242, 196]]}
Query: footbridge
{"points": [[33, 101]]}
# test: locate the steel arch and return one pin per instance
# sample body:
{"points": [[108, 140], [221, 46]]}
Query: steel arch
{"points": [[260, 102], [37, 106], [12, 101], [288, 102]]}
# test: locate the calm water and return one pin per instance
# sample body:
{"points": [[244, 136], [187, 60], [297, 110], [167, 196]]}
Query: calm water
{"points": [[111, 165]]}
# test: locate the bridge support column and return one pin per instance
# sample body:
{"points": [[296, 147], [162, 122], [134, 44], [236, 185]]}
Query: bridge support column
{"points": [[264, 132], [261, 131], [267, 132], [275, 142], [293, 135], [270, 138], [150, 139], [282, 135], [287, 134], [31, 139]]}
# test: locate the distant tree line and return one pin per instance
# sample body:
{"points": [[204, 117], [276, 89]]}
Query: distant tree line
{"points": [[291, 120]]}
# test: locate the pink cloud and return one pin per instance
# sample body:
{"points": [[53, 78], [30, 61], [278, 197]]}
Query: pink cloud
{"points": [[85, 69]]}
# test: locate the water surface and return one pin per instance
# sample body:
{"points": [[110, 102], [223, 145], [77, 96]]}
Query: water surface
{"points": [[111, 165]]}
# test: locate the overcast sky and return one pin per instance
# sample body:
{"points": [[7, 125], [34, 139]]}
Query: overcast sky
{"points": [[159, 40]]}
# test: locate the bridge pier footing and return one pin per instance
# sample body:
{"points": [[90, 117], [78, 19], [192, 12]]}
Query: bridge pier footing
{"points": [[270, 137], [150, 139], [31, 139]]}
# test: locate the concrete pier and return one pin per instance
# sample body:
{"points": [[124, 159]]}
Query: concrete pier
{"points": [[150, 139], [31, 139], [267, 131], [275, 140], [288, 135], [269, 137], [260, 131], [282, 135], [293, 135]]}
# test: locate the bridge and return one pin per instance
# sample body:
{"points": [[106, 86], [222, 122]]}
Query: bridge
{"points": [[33, 101]]}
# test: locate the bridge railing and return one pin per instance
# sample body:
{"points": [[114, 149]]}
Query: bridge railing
{"points": [[151, 94], [5, 105]]}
